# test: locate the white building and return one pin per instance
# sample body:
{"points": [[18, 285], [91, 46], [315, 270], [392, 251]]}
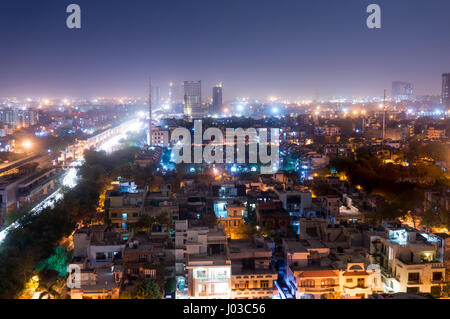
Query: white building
{"points": [[203, 265], [410, 263]]}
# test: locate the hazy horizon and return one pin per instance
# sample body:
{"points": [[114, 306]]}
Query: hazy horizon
{"points": [[298, 49]]}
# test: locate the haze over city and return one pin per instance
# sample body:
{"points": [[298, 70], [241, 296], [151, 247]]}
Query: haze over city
{"points": [[301, 49], [240, 150]]}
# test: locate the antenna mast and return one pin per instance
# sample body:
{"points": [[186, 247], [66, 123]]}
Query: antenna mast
{"points": [[149, 137]]}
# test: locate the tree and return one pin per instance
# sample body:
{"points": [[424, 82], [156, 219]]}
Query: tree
{"points": [[268, 229], [243, 231], [170, 286], [36, 236], [57, 262], [145, 222], [322, 189], [164, 218], [49, 291], [15, 215], [208, 219], [432, 218], [146, 289], [30, 288]]}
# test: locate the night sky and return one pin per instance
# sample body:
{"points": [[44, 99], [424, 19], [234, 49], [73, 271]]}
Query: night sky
{"points": [[258, 48]]}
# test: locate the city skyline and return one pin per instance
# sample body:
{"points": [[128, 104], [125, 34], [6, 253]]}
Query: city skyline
{"points": [[251, 151], [308, 50]]}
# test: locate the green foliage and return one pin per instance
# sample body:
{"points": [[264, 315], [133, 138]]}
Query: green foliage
{"points": [[57, 262], [435, 217], [208, 219], [245, 231], [146, 289], [14, 216], [100, 163], [268, 230], [434, 150], [145, 222], [402, 187], [170, 286], [163, 218], [51, 291], [322, 189], [37, 236]]}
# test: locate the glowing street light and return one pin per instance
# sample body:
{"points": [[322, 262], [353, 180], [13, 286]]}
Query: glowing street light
{"points": [[27, 144]]}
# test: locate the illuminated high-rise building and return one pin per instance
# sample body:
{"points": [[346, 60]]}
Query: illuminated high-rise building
{"points": [[402, 91], [18, 117], [217, 99], [193, 99], [175, 94], [445, 89], [156, 96], [171, 93]]}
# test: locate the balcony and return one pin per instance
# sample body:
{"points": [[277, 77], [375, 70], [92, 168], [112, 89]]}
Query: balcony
{"points": [[321, 289], [254, 289], [356, 287], [213, 279], [408, 263], [414, 282], [213, 295], [254, 293]]}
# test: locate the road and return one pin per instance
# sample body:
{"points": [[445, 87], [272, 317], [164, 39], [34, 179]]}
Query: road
{"points": [[70, 179]]}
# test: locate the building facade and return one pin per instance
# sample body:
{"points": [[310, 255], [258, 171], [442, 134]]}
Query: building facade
{"points": [[193, 99], [402, 91], [217, 99], [446, 89]]}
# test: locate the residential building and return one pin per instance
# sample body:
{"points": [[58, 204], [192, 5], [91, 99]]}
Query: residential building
{"points": [[203, 266], [140, 261], [98, 283], [162, 202], [295, 201], [272, 215], [98, 255], [357, 282], [411, 263], [299, 254], [252, 276], [435, 134], [327, 130], [331, 204], [209, 266], [160, 138], [125, 204], [231, 217], [18, 118]]}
